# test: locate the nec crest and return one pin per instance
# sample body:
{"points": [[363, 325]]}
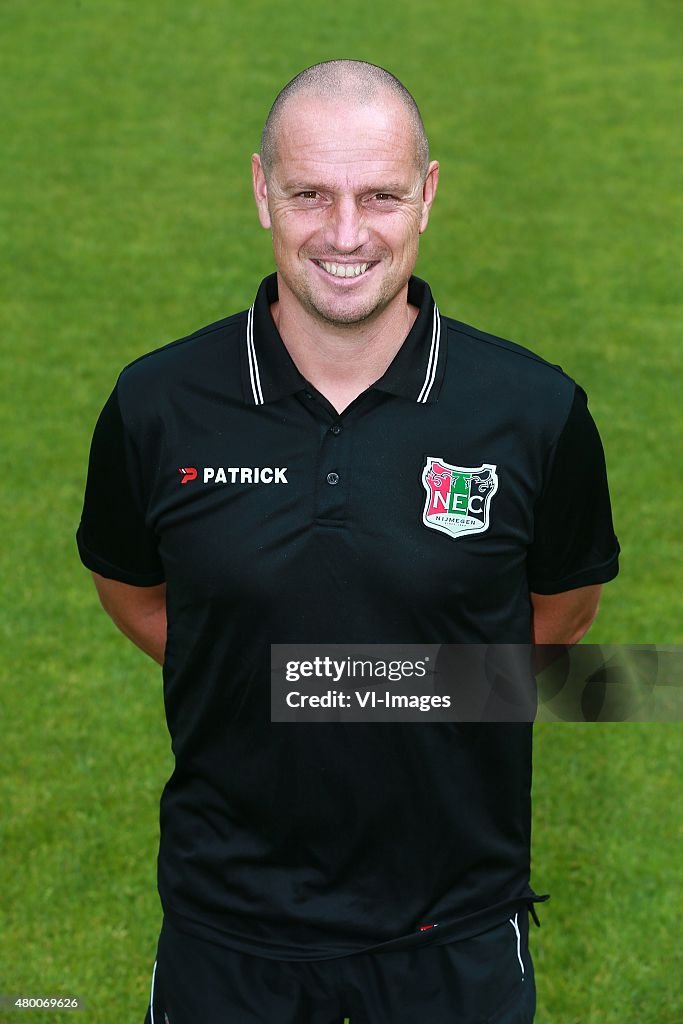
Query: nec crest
{"points": [[458, 498]]}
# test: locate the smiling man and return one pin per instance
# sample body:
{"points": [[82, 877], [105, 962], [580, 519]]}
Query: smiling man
{"points": [[305, 471], [346, 187]]}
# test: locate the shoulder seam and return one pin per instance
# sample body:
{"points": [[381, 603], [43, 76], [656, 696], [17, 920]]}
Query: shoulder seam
{"points": [[553, 446]]}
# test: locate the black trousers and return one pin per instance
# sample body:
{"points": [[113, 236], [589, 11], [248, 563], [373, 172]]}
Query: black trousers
{"points": [[487, 979]]}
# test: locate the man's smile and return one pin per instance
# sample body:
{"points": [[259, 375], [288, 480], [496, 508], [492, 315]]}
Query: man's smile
{"points": [[347, 271]]}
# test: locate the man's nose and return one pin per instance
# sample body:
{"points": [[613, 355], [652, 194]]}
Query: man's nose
{"points": [[347, 226]]}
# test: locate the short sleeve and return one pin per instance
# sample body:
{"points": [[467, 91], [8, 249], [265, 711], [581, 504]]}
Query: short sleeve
{"points": [[113, 538], [574, 541]]}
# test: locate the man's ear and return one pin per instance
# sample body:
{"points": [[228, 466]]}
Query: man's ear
{"points": [[428, 193], [260, 191]]}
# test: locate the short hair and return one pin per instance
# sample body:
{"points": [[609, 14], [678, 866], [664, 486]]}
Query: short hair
{"points": [[333, 78]]}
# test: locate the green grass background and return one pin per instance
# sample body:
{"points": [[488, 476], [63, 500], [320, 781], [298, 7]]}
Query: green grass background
{"points": [[126, 221]]}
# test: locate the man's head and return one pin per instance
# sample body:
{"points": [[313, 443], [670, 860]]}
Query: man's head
{"points": [[344, 183], [356, 82]]}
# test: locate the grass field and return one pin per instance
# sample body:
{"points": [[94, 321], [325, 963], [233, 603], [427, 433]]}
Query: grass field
{"points": [[126, 218]]}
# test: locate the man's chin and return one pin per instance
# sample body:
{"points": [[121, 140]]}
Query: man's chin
{"points": [[347, 313], [341, 310], [345, 318]]}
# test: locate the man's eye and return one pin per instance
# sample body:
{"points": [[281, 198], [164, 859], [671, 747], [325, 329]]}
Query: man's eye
{"points": [[383, 196], [308, 195]]}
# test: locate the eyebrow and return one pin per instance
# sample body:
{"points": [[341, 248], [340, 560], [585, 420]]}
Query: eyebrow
{"points": [[311, 186]]}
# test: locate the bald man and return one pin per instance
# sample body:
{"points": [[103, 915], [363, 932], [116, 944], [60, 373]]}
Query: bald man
{"points": [[342, 464]]}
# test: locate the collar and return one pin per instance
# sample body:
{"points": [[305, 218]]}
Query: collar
{"points": [[416, 371]]}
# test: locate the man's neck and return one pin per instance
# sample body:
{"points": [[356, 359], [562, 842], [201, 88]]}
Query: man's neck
{"points": [[341, 361]]}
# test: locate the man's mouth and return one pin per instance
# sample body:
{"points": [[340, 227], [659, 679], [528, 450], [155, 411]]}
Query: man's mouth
{"points": [[344, 269]]}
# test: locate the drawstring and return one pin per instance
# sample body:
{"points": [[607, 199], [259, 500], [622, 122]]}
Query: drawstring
{"points": [[513, 922]]}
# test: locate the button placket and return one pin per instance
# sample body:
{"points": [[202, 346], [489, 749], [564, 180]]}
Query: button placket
{"points": [[333, 474]]}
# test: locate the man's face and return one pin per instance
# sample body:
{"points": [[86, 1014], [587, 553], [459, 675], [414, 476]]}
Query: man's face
{"points": [[346, 204]]}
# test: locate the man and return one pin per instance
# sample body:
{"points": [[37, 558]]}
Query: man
{"points": [[274, 478]]}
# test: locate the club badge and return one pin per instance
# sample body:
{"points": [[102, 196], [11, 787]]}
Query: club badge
{"points": [[458, 498]]}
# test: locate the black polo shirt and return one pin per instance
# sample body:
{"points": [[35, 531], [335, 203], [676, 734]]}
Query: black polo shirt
{"points": [[468, 475]]}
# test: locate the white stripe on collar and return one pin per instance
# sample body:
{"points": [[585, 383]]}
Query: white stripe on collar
{"points": [[433, 360], [253, 362]]}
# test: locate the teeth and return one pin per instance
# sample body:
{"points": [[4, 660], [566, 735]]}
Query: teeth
{"points": [[344, 269]]}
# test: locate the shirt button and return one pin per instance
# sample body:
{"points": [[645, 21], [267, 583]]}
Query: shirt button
{"points": [[309, 394], [336, 429], [333, 478]]}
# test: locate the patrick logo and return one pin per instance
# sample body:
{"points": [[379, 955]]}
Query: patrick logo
{"points": [[458, 498], [189, 474]]}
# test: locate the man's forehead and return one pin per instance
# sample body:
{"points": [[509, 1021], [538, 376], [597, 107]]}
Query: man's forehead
{"points": [[354, 140], [327, 115]]}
